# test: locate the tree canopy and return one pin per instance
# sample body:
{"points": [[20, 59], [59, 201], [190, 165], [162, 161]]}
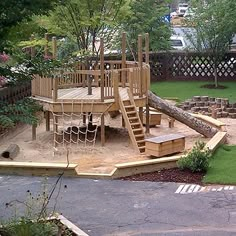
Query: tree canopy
{"points": [[14, 11], [147, 17], [214, 26]]}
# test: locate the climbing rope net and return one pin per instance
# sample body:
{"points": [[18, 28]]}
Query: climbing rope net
{"points": [[76, 128]]}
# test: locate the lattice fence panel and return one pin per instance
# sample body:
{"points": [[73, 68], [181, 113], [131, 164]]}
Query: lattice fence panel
{"points": [[192, 65]]}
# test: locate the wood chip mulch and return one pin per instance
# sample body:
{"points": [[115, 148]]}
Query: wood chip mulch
{"points": [[168, 175]]}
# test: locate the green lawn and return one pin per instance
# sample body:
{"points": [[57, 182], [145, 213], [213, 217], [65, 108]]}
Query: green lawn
{"points": [[222, 169], [184, 90]]}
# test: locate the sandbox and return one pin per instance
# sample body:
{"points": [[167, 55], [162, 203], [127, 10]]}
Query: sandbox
{"points": [[97, 159]]}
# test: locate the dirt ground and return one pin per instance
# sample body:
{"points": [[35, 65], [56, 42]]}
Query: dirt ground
{"points": [[97, 159]]}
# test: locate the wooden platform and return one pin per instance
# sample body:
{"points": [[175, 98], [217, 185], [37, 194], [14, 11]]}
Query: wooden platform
{"points": [[165, 145], [79, 98]]}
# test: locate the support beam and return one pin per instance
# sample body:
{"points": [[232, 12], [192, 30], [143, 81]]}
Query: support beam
{"points": [[123, 63], [102, 68], [90, 120], [84, 118], [103, 130], [141, 114], [55, 129], [34, 132], [147, 114], [47, 118], [140, 62]]}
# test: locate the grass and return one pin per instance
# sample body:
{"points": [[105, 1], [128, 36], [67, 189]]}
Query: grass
{"points": [[222, 169], [187, 89]]}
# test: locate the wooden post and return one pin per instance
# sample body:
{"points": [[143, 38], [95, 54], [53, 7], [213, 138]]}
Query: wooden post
{"points": [[122, 122], [84, 118], [55, 129], [102, 67], [131, 82], [54, 47], [140, 63], [123, 65], [116, 86], [34, 132], [147, 48], [46, 46], [47, 118], [147, 83], [90, 120], [103, 130], [147, 119], [32, 49], [55, 88]]}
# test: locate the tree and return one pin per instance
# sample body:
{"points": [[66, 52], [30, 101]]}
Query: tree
{"points": [[14, 11], [86, 21], [214, 26], [180, 115], [147, 17]]}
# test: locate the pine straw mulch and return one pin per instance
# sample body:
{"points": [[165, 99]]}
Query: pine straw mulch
{"points": [[168, 175]]}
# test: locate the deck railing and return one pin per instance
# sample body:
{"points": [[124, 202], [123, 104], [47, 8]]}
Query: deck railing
{"points": [[133, 77]]}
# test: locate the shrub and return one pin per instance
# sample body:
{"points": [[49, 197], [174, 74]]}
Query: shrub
{"points": [[197, 160]]}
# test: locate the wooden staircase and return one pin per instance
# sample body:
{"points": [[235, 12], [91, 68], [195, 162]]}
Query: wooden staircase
{"points": [[133, 123]]}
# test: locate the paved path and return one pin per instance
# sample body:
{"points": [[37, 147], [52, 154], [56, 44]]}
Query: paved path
{"points": [[105, 208]]}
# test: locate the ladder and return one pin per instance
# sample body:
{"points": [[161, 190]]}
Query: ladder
{"points": [[133, 122]]}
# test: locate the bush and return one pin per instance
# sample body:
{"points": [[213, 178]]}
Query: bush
{"points": [[197, 160]]}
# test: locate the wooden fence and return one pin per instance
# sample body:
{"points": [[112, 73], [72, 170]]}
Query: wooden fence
{"points": [[12, 94], [175, 65]]}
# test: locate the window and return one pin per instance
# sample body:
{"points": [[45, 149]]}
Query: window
{"points": [[176, 43]]}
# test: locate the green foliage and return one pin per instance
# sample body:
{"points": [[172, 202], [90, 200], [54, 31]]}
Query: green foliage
{"points": [[85, 21], [14, 11], [192, 88], [26, 227], [214, 28], [147, 18], [222, 166], [197, 160], [23, 111]]}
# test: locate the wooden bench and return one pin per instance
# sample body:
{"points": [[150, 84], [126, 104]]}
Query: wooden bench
{"points": [[154, 118], [211, 121], [165, 145], [216, 140]]}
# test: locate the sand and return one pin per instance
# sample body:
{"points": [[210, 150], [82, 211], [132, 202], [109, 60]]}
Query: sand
{"points": [[97, 159]]}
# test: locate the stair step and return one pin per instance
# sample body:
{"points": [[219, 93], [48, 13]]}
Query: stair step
{"points": [[131, 112], [134, 124], [138, 135], [140, 141], [142, 147], [130, 107], [133, 118], [136, 130]]}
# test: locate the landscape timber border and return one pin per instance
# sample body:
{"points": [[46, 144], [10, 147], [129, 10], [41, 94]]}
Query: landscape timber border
{"points": [[120, 170]]}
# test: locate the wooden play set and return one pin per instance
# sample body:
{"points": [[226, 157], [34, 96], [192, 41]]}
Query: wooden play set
{"points": [[87, 94], [116, 85]]}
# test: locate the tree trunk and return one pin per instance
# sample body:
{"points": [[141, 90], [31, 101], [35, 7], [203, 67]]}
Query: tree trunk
{"points": [[181, 116], [11, 152], [215, 75]]}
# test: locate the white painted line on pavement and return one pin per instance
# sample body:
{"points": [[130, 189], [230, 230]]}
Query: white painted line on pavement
{"points": [[190, 190], [184, 189], [196, 188], [179, 188]]}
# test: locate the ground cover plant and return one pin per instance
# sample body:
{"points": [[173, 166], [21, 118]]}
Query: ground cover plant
{"points": [[222, 166], [197, 160], [183, 90]]}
